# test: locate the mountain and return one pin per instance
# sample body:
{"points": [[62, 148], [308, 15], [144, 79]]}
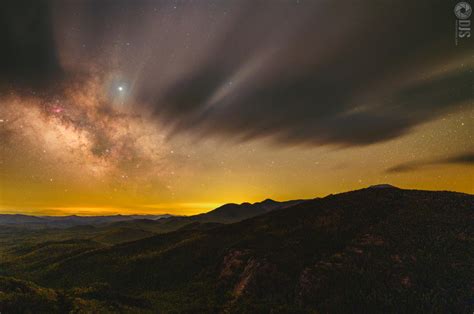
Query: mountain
{"points": [[382, 186], [225, 214], [20, 296], [69, 221], [229, 213], [24, 231], [365, 251], [20, 219], [119, 235]]}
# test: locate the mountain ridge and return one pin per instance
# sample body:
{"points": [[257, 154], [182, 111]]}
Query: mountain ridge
{"points": [[368, 250]]}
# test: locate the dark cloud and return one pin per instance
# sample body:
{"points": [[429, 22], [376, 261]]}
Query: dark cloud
{"points": [[28, 55], [296, 72], [467, 158], [464, 158], [316, 87]]}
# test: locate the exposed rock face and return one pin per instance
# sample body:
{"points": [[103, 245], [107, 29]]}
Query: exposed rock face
{"points": [[246, 277], [366, 251], [232, 263]]}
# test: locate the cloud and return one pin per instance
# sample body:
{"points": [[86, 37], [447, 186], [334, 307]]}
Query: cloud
{"points": [[464, 159], [28, 57], [334, 81], [467, 158], [294, 72]]}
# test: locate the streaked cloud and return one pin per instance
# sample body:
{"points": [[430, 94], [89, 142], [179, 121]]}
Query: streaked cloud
{"points": [[463, 158]]}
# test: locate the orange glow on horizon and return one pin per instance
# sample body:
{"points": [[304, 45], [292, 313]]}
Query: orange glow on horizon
{"points": [[93, 159], [184, 209]]}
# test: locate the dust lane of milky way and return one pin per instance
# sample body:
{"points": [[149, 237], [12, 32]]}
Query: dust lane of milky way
{"points": [[149, 107]]}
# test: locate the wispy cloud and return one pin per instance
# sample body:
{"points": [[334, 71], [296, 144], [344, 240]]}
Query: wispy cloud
{"points": [[299, 73], [464, 158]]}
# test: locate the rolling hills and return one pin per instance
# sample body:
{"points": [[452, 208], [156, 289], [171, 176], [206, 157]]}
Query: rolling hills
{"points": [[68, 221], [23, 230], [371, 250]]}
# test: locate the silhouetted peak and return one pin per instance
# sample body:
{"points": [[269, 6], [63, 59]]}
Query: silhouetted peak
{"points": [[383, 186]]}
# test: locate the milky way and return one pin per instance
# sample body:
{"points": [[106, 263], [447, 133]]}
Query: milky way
{"points": [[147, 105]]}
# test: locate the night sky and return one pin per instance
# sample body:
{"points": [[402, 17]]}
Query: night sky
{"points": [[180, 106]]}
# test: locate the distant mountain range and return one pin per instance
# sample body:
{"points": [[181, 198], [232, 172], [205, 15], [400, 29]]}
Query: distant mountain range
{"points": [[380, 249], [69, 221], [227, 213]]}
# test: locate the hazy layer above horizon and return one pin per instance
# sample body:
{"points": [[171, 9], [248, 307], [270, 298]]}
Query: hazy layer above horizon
{"points": [[150, 107]]}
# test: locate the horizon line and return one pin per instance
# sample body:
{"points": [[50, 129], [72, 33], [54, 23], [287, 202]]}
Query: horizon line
{"points": [[49, 211]]}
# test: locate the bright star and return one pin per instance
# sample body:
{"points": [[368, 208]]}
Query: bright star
{"points": [[120, 88]]}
